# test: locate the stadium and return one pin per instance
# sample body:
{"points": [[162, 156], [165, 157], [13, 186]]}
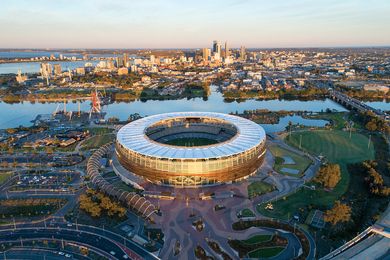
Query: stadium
{"points": [[191, 149]]}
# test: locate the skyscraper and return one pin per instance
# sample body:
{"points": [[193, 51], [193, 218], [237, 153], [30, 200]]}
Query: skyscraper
{"points": [[217, 47], [46, 70], [226, 50], [119, 62], [57, 69], [205, 54], [242, 53], [125, 59]]}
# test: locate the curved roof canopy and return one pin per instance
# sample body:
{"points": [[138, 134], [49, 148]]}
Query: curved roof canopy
{"points": [[132, 136]]}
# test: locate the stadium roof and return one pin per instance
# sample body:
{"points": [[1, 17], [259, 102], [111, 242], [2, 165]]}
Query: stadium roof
{"points": [[133, 137]]}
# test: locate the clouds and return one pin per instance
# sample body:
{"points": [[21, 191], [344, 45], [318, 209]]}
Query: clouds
{"points": [[177, 23]]}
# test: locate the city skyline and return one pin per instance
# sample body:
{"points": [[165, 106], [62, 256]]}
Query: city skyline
{"points": [[175, 24]]}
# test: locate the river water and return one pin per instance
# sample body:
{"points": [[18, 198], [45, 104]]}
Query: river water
{"points": [[12, 115]]}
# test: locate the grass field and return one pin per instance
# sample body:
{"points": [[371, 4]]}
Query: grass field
{"points": [[4, 177], [257, 239], [258, 188], [189, 142], [265, 252], [337, 147], [301, 162], [97, 141], [336, 118]]}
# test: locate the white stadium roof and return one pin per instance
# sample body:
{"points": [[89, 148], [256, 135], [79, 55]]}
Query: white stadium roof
{"points": [[132, 136]]}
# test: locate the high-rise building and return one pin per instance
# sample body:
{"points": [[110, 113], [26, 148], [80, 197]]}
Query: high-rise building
{"points": [[152, 59], [125, 59], [242, 53], [57, 69], [46, 70], [226, 50], [119, 62], [217, 47], [206, 54]]}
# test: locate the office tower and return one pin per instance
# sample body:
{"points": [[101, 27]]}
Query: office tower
{"points": [[125, 59], [119, 62], [226, 50], [217, 47], [57, 69], [46, 70], [152, 59], [242, 53], [206, 54]]}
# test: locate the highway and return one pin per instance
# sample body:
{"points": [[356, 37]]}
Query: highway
{"points": [[55, 228]]}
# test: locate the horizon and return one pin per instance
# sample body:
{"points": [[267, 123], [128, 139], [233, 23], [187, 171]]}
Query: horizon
{"points": [[197, 48], [157, 24]]}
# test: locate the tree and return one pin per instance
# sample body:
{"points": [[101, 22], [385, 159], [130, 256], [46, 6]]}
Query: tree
{"points": [[339, 213], [329, 175], [371, 126]]}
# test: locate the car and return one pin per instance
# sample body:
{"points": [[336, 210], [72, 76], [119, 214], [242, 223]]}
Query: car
{"points": [[112, 252], [125, 257], [69, 224], [68, 255], [61, 253]]}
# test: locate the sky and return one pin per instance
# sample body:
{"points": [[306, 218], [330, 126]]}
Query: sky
{"points": [[193, 23]]}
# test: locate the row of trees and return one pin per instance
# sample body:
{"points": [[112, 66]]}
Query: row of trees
{"points": [[96, 203], [373, 123], [374, 180]]}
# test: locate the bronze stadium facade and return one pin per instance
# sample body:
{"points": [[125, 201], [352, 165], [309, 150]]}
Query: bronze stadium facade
{"points": [[189, 149]]}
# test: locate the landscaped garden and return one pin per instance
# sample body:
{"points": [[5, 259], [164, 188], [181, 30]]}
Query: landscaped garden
{"points": [[97, 141], [259, 246], [266, 252], [243, 247], [258, 188], [20, 208], [4, 176], [336, 147], [246, 213], [288, 162]]}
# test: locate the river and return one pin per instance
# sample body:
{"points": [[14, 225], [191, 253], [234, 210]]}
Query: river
{"points": [[12, 115]]}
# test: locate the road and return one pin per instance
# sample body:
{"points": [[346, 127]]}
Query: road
{"points": [[57, 228]]}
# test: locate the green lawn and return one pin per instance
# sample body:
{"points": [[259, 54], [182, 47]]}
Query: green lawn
{"points": [[4, 177], [257, 239], [246, 213], [335, 145], [258, 188], [189, 142], [121, 185], [265, 252], [99, 130], [338, 148], [301, 162], [336, 118], [97, 141]]}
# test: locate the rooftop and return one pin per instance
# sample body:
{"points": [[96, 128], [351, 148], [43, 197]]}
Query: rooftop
{"points": [[132, 136]]}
